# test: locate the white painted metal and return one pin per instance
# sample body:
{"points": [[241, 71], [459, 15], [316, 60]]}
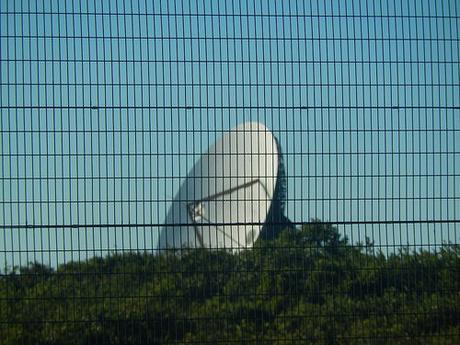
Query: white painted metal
{"points": [[226, 197]]}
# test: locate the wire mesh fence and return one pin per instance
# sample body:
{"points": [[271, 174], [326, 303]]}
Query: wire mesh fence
{"points": [[238, 171]]}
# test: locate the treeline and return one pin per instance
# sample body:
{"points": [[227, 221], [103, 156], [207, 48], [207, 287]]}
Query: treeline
{"points": [[307, 286]]}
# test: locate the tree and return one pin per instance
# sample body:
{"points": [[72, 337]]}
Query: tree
{"points": [[309, 285]]}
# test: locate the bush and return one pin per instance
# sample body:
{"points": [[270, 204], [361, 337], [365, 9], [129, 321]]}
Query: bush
{"points": [[309, 286]]}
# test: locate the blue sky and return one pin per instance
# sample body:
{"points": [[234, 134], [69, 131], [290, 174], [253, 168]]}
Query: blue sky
{"points": [[106, 105]]}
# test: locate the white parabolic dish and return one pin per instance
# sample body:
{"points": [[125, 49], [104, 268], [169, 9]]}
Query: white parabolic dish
{"points": [[226, 197]]}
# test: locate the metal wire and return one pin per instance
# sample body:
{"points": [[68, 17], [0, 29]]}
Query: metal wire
{"points": [[106, 106]]}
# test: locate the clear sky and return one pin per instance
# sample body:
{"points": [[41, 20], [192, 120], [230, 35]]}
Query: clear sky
{"points": [[106, 105]]}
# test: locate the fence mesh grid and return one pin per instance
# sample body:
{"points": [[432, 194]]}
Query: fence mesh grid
{"points": [[106, 107]]}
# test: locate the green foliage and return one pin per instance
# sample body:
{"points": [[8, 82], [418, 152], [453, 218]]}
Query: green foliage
{"points": [[306, 286]]}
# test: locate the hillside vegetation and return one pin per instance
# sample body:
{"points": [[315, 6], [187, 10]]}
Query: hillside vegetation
{"points": [[307, 286]]}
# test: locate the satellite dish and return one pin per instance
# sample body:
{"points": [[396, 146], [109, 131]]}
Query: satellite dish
{"points": [[233, 194]]}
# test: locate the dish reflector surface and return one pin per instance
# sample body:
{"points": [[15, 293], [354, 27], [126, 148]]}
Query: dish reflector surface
{"points": [[226, 197]]}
